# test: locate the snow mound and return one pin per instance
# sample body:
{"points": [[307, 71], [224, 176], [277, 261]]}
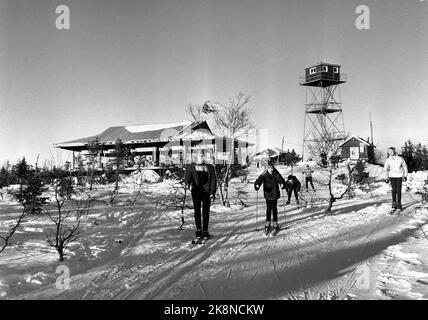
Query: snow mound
{"points": [[416, 181], [376, 171], [38, 278], [139, 177], [7, 198]]}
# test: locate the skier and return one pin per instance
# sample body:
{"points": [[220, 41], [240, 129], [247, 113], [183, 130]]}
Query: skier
{"points": [[270, 179], [308, 177], [292, 185], [200, 175], [396, 172]]}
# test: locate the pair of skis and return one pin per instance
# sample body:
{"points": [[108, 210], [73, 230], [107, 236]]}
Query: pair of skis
{"points": [[272, 231], [198, 241], [395, 211]]}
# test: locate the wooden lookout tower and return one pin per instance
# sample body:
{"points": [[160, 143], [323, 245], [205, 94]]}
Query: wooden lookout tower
{"points": [[324, 129]]}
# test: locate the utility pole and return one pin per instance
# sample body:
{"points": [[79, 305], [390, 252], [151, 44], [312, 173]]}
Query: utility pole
{"points": [[282, 147]]}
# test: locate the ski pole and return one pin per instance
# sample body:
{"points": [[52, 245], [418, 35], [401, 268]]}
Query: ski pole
{"points": [[257, 209], [283, 204]]}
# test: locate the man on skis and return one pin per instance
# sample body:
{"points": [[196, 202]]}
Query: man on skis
{"points": [[200, 176], [270, 179]]}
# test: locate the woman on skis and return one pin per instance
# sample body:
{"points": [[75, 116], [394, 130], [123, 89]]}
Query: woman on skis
{"points": [[270, 179], [396, 172]]}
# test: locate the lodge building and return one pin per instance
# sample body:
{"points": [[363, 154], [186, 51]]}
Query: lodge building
{"points": [[155, 146]]}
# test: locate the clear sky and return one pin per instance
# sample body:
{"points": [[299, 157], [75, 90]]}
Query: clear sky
{"points": [[137, 62]]}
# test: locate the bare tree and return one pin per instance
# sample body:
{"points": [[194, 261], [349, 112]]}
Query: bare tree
{"points": [[56, 158], [177, 199], [195, 112], [66, 213], [330, 168], [232, 121], [7, 238]]}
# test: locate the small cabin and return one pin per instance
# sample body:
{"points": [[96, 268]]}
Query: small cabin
{"points": [[356, 148], [325, 74]]}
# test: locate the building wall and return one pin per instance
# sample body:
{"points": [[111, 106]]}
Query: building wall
{"points": [[349, 150]]}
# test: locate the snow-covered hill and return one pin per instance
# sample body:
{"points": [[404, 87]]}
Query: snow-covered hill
{"points": [[137, 251]]}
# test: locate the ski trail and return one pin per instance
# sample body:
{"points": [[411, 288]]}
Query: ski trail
{"points": [[163, 281]]}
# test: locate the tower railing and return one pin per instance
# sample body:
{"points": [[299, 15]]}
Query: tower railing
{"points": [[343, 77]]}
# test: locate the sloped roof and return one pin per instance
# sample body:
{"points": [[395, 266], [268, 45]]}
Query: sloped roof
{"points": [[149, 134], [134, 134], [358, 138], [271, 152]]}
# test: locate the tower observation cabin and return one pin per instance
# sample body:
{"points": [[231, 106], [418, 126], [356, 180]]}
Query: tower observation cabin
{"points": [[323, 127], [324, 75]]}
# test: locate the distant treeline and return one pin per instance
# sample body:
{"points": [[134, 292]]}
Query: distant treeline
{"points": [[415, 155]]}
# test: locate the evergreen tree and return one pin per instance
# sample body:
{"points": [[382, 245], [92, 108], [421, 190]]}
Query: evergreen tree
{"points": [[21, 170], [415, 156], [121, 154], [359, 171], [3, 177], [30, 193], [291, 158], [94, 148]]}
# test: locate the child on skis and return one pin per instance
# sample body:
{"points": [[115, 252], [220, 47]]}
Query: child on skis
{"points": [[200, 175], [292, 185], [396, 172], [308, 177], [270, 179]]}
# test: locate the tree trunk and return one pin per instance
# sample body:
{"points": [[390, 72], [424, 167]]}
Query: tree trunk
{"points": [[350, 195], [91, 179], [116, 186], [332, 198], [227, 176], [61, 253], [226, 187], [330, 204], [219, 185]]}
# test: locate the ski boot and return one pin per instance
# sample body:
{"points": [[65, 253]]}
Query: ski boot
{"points": [[198, 237], [205, 236], [275, 230], [398, 210], [267, 230], [393, 209]]}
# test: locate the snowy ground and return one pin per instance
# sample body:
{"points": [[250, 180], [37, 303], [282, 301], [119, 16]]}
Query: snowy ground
{"points": [[358, 251]]}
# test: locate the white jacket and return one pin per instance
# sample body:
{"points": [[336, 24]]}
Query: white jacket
{"points": [[395, 167]]}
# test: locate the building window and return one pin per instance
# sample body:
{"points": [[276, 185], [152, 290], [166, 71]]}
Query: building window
{"points": [[325, 68], [312, 70], [336, 70], [354, 153]]}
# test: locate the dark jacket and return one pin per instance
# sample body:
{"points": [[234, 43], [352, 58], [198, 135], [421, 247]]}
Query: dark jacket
{"points": [[270, 184], [292, 184], [192, 179]]}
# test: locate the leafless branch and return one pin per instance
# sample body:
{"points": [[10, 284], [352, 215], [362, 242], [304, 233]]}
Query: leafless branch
{"points": [[195, 112]]}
